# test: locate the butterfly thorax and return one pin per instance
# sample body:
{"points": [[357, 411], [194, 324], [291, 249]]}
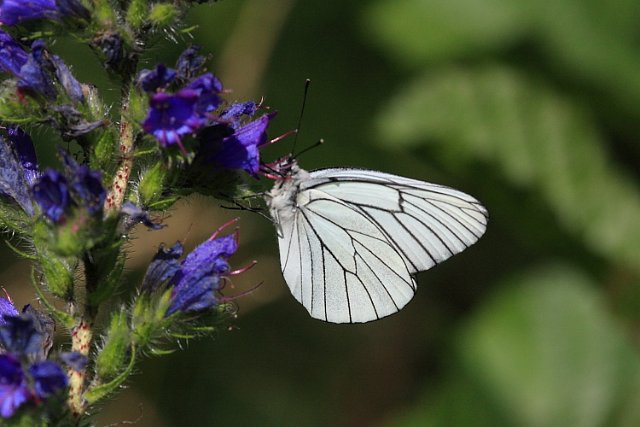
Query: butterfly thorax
{"points": [[282, 199]]}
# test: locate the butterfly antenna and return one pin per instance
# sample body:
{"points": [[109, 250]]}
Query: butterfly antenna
{"points": [[307, 83], [317, 144]]}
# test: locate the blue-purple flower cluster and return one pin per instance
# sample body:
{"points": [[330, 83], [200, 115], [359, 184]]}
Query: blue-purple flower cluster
{"points": [[55, 193], [60, 212], [227, 137], [25, 373], [194, 281]]}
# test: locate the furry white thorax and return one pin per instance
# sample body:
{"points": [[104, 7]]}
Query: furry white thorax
{"points": [[282, 200]]}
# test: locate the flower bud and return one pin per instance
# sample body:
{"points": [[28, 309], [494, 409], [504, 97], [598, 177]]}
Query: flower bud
{"points": [[137, 13], [163, 14]]}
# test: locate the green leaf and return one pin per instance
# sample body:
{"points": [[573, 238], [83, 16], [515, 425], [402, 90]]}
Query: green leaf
{"points": [[62, 317], [151, 184], [532, 137], [98, 392], [114, 353], [13, 219], [549, 353], [422, 31], [593, 42], [56, 271]]}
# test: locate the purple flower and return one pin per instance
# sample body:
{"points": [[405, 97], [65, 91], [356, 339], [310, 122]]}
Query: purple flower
{"points": [[48, 378], [79, 186], [7, 309], [189, 63], [72, 87], [34, 75], [112, 47], [235, 149], [26, 339], [86, 185], [22, 145], [14, 390], [12, 55], [208, 88], [51, 193], [88, 189], [44, 326], [13, 174], [236, 111], [198, 278], [158, 78], [138, 215], [162, 267], [37, 71], [14, 12], [172, 116], [19, 335], [40, 71]]}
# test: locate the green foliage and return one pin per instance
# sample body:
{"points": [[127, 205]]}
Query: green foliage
{"points": [[422, 31], [549, 352], [530, 99], [537, 139], [544, 351]]}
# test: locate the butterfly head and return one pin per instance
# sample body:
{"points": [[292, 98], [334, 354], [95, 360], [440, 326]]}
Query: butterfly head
{"points": [[282, 169]]}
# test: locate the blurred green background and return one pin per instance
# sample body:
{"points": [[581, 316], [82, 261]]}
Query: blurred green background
{"points": [[531, 106]]}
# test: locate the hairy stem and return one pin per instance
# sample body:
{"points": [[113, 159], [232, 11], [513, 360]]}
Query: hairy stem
{"points": [[118, 189], [82, 332], [81, 336], [116, 193]]}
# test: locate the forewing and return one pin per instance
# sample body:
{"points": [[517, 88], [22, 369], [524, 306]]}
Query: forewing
{"points": [[426, 223], [340, 265]]}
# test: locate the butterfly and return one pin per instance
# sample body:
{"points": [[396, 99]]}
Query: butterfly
{"points": [[351, 240]]}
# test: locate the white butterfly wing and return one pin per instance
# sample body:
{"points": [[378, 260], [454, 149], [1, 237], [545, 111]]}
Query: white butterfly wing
{"points": [[340, 265], [427, 223], [350, 248]]}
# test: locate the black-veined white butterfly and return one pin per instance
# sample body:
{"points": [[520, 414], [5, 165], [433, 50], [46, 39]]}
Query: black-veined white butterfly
{"points": [[351, 240]]}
